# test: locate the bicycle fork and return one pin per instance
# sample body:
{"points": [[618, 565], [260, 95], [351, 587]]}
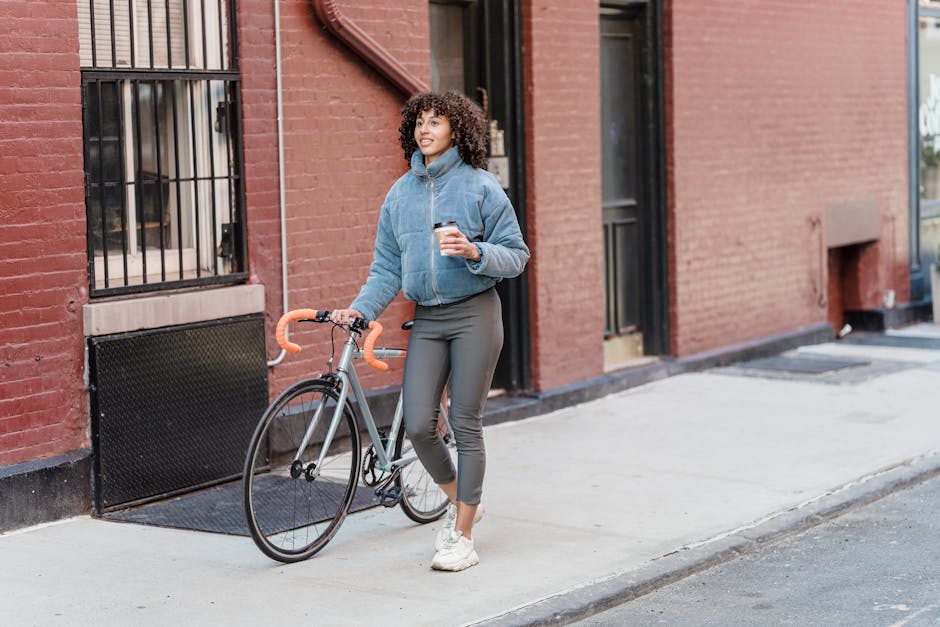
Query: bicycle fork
{"points": [[312, 470]]}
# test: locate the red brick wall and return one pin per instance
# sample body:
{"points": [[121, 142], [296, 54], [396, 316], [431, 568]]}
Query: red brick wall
{"points": [[562, 116], [43, 277], [342, 154], [773, 114], [776, 110]]}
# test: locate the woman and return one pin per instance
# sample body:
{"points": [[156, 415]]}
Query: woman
{"points": [[458, 331]]}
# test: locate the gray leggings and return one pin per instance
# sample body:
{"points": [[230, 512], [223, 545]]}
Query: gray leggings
{"points": [[463, 341]]}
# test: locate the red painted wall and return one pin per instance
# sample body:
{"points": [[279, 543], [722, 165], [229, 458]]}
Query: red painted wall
{"points": [[562, 116], [776, 110], [43, 408]]}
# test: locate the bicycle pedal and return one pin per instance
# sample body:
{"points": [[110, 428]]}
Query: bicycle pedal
{"points": [[389, 497]]}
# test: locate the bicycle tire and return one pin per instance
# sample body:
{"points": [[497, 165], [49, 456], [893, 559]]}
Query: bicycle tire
{"points": [[422, 499], [291, 516]]}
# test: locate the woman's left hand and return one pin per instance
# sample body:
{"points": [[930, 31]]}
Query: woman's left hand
{"points": [[456, 244]]}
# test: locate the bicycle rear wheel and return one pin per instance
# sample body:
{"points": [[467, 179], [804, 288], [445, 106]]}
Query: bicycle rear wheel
{"points": [[422, 499], [294, 506]]}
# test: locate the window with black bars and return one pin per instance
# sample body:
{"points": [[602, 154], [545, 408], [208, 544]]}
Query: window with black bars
{"points": [[163, 173]]}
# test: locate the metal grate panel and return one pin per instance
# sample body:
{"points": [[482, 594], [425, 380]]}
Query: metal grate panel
{"points": [[174, 409], [815, 368], [219, 509], [806, 364]]}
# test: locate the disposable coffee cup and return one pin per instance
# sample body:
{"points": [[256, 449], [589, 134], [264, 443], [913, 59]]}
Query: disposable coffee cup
{"points": [[441, 229]]}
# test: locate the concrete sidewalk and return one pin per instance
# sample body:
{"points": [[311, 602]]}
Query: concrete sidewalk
{"points": [[585, 506]]}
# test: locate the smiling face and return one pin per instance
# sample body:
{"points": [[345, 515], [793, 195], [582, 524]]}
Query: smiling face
{"points": [[433, 135]]}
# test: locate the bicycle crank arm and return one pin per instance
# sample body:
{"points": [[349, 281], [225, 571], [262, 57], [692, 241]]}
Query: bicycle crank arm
{"points": [[389, 497]]}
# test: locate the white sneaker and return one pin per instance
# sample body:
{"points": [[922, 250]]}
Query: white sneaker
{"points": [[458, 553], [450, 522]]}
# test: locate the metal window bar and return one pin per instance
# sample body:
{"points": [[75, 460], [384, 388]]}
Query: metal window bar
{"points": [[152, 191], [230, 189], [177, 185], [121, 173], [132, 34], [212, 186], [112, 29], [186, 34], [197, 222], [158, 151], [169, 31], [205, 38], [94, 42], [138, 158], [102, 193], [150, 32], [240, 253], [193, 178], [221, 30]]}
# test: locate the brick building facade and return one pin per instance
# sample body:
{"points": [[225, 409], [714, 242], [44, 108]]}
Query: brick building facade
{"points": [[782, 191]]}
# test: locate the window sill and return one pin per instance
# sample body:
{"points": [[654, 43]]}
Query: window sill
{"points": [[152, 312]]}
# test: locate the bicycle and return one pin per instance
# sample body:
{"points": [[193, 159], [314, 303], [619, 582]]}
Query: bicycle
{"points": [[302, 470]]}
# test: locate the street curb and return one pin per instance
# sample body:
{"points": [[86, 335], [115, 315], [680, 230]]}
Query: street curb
{"points": [[577, 603]]}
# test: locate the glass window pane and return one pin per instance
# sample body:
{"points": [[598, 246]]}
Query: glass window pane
{"points": [[618, 117], [103, 165], [447, 47]]}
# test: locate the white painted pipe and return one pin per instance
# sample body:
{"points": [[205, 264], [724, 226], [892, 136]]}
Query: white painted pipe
{"points": [[280, 172]]}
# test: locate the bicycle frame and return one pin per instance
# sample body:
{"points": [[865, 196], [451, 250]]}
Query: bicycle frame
{"points": [[348, 379]]}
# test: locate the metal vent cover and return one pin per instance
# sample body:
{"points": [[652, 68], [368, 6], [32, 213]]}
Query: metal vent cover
{"points": [[173, 409]]}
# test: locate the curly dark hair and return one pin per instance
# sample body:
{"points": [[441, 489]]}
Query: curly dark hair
{"points": [[466, 122]]}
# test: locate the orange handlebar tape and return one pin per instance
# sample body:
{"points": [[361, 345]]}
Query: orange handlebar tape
{"points": [[375, 330], [296, 314]]}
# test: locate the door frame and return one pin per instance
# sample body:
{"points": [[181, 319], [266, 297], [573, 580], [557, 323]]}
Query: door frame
{"points": [[654, 280], [493, 60], [502, 72]]}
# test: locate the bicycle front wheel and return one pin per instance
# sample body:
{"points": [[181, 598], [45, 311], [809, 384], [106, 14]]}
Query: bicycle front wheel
{"points": [[422, 499], [296, 494]]}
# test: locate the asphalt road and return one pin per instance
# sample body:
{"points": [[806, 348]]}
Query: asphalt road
{"points": [[877, 565]]}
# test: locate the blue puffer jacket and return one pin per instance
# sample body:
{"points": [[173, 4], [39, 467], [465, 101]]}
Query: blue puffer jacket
{"points": [[406, 253]]}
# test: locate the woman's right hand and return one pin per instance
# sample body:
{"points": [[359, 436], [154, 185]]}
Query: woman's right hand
{"points": [[344, 316]]}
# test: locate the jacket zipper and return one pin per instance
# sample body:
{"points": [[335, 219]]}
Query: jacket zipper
{"points": [[434, 252]]}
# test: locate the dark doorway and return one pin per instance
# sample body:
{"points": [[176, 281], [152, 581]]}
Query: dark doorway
{"points": [[475, 50], [633, 202]]}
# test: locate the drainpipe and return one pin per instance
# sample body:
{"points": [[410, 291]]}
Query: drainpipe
{"points": [[373, 53], [280, 172]]}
